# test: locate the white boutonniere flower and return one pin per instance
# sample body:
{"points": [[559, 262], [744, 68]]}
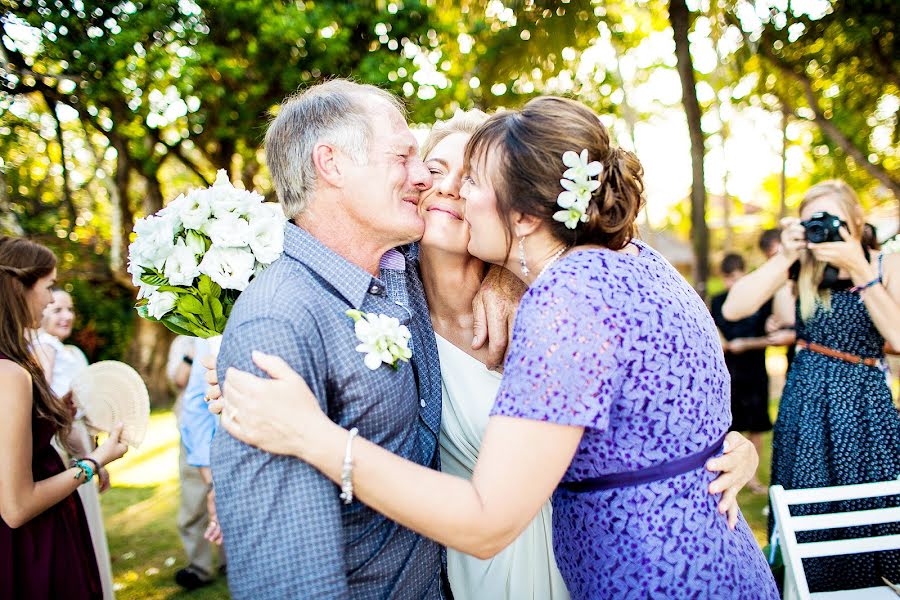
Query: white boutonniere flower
{"points": [[578, 184], [382, 339]]}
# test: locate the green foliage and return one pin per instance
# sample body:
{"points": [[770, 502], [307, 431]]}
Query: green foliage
{"points": [[838, 69]]}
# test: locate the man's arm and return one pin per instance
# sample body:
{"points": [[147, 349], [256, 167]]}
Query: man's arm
{"points": [[281, 519], [495, 308]]}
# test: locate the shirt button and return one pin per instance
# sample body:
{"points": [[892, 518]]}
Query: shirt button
{"points": [[422, 402], [375, 289]]}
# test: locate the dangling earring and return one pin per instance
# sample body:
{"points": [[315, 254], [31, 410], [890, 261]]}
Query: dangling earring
{"points": [[524, 265]]}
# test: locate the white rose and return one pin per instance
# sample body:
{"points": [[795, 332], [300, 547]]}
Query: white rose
{"points": [[145, 291], [175, 208], [228, 231], [181, 266], [266, 239], [231, 268], [160, 304], [155, 240], [195, 242], [197, 212]]}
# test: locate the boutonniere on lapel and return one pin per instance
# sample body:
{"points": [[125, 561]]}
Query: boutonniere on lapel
{"points": [[382, 339]]}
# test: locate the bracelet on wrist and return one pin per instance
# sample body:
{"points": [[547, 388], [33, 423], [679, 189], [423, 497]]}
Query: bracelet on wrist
{"points": [[861, 288], [85, 470], [347, 470], [96, 464]]}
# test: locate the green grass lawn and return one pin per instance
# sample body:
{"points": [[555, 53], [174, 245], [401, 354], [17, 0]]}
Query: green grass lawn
{"points": [[140, 517]]}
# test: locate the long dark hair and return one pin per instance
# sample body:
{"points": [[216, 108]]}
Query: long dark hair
{"points": [[22, 264]]}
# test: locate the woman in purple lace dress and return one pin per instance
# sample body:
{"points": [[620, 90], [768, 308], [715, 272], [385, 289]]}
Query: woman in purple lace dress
{"points": [[615, 391]]}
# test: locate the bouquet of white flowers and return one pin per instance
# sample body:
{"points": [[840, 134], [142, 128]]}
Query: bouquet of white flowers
{"points": [[194, 257]]}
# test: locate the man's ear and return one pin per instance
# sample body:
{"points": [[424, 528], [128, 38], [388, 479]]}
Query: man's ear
{"points": [[329, 163], [524, 225]]}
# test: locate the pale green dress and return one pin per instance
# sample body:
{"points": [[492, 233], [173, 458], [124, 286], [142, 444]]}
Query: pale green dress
{"points": [[526, 570]]}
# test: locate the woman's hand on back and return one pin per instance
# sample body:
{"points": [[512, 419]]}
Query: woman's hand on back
{"points": [[277, 414], [736, 466]]}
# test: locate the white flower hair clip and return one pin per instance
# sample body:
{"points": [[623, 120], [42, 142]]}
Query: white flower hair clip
{"points": [[579, 182]]}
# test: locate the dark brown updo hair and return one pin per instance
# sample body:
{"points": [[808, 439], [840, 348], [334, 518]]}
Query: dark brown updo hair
{"points": [[529, 145], [22, 264]]}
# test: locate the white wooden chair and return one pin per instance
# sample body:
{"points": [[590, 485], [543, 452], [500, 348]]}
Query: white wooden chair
{"points": [[793, 553]]}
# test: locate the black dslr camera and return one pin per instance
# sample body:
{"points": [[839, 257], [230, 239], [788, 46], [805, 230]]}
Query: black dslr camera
{"points": [[823, 227]]}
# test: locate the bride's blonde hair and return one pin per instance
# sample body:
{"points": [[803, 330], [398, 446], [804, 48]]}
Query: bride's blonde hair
{"points": [[812, 270], [463, 121]]}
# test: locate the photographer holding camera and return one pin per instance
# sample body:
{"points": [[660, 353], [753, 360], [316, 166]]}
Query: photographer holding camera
{"points": [[837, 424]]}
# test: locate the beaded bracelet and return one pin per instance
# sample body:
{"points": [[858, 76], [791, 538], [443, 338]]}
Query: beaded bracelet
{"points": [[84, 469], [861, 288], [347, 470], [93, 462]]}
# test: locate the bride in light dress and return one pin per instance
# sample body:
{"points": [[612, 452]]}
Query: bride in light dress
{"points": [[451, 278]]}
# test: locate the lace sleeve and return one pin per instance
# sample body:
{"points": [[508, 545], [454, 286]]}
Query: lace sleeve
{"points": [[563, 366]]}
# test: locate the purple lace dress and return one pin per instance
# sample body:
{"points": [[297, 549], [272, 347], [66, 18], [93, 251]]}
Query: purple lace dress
{"points": [[621, 345]]}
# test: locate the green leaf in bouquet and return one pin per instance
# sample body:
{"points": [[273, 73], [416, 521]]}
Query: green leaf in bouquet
{"points": [[143, 310], [208, 317], [142, 302], [175, 327], [171, 288], [189, 304], [218, 313], [153, 278], [203, 285]]}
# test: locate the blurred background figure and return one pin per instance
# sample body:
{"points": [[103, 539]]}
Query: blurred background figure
{"points": [[61, 363], [745, 355], [779, 329], [193, 512], [870, 237], [770, 242]]}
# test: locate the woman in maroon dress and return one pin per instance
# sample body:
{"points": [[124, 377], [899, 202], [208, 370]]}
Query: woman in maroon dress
{"points": [[45, 544]]}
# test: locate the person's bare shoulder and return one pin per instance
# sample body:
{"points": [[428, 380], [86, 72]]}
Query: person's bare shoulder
{"points": [[15, 381]]}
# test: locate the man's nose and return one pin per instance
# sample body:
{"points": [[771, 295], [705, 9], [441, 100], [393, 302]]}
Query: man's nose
{"points": [[419, 175]]}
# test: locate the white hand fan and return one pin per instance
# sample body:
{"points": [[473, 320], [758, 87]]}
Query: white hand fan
{"points": [[111, 392]]}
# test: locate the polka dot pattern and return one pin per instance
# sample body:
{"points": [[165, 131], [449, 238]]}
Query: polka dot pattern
{"points": [[837, 425], [621, 345]]}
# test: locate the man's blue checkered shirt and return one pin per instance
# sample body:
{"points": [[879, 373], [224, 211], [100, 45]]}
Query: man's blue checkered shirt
{"points": [[287, 534]]}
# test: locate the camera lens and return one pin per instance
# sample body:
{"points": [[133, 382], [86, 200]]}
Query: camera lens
{"points": [[816, 233]]}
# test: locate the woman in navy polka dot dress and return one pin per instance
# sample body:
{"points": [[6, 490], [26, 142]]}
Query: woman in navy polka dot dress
{"points": [[837, 424]]}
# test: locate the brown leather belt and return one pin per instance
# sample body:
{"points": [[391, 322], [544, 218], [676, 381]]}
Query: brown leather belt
{"points": [[845, 356]]}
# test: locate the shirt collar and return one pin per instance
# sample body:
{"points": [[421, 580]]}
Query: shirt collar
{"points": [[350, 281]]}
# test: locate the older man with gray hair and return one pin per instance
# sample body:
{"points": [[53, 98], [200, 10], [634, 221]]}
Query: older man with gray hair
{"points": [[347, 173]]}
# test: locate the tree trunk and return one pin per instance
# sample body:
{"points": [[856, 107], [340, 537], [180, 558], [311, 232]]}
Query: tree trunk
{"points": [[782, 201], [148, 352], [123, 209], [67, 191], [679, 16], [9, 223]]}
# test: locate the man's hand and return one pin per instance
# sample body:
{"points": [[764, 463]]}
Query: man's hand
{"points": [[213, 531], [103, 476], [213, 397], [495, 307], [782, 337]]}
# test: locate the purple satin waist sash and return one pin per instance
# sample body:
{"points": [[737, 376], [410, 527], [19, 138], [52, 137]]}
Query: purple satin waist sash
{"points": [[672, 468]]}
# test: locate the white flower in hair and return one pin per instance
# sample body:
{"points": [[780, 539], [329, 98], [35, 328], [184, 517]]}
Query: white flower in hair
{"points": [[579, 167], [578, 186]]}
